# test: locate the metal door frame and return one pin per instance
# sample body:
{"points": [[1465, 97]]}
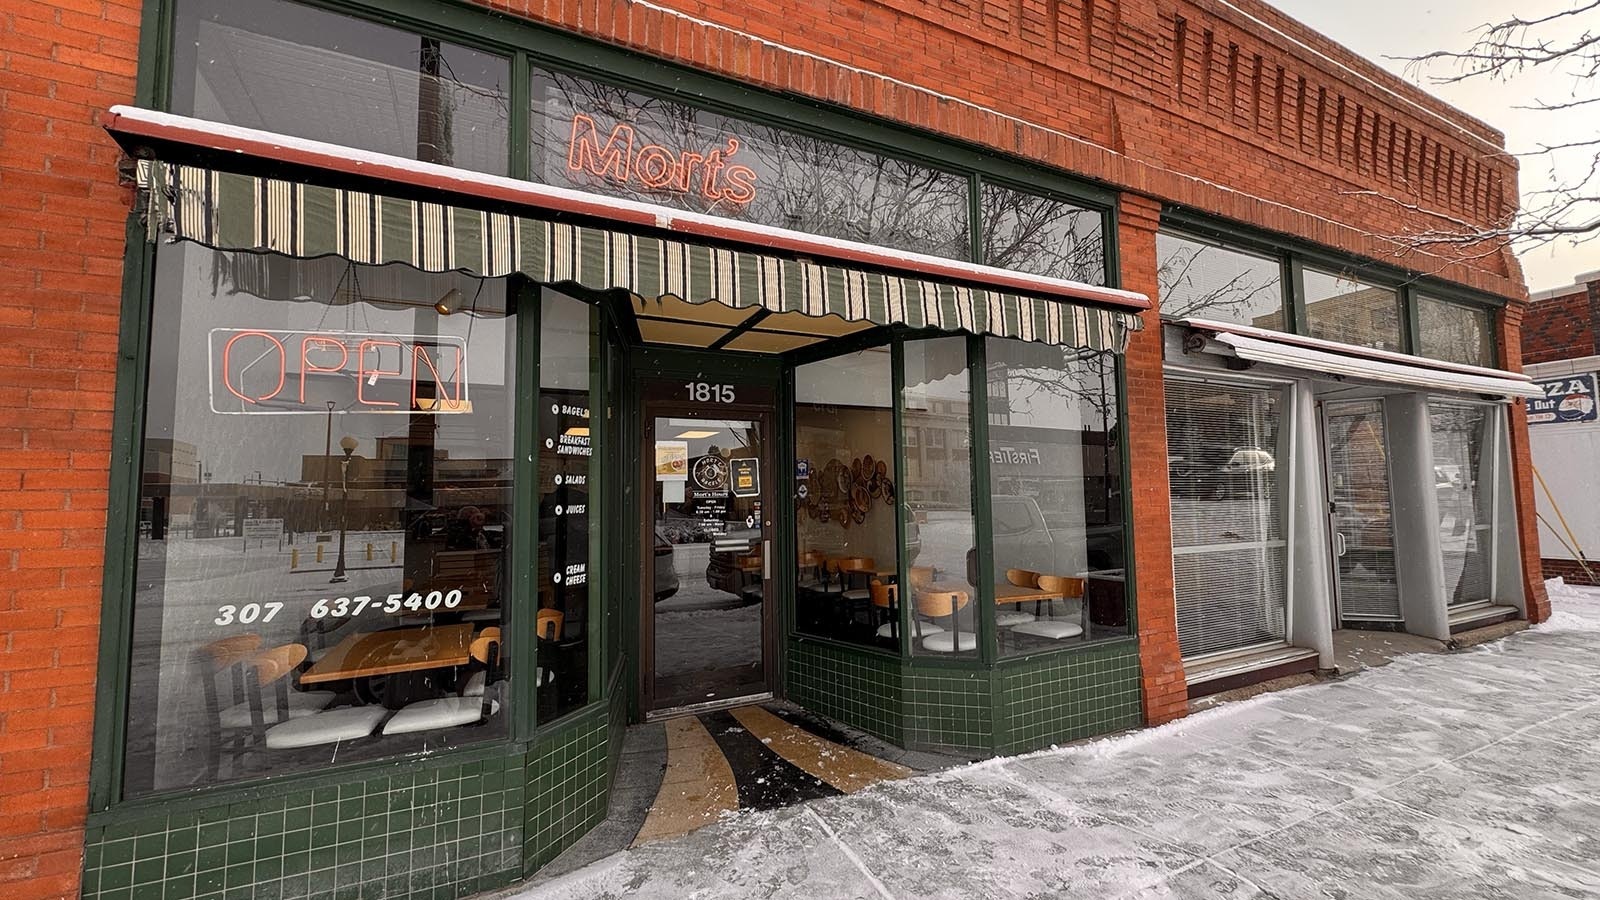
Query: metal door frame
{"points": [[765, 415], [1327, 486]]}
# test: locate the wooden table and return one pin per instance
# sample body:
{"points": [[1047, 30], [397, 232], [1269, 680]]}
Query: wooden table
{"points": [[391, 652], [1011, 593]]}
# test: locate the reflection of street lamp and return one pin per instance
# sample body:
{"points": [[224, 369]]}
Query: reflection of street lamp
{"points": [[327, 466], [348, 445]]}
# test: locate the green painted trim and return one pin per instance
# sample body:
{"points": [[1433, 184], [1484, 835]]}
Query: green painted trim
{"points": [[594, 654], [982, 494], [528, 302], [1296, 285], [122, 512], [519, 156], [1377, 273], [897, 383], [865, 650], [787, 542], [1023, 659], [975, 224], [1411, 322], [154, 76]]}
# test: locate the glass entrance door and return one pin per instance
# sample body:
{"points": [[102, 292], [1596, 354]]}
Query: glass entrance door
{"points": [[1365, 576], [710, 559]]}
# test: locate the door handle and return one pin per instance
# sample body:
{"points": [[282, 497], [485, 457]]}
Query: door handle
{"points": [[766, 560], [1338, 544]]}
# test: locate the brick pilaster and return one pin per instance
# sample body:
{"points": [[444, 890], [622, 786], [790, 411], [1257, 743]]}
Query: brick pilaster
{"points": [[1165, 693], [1509, 325]]}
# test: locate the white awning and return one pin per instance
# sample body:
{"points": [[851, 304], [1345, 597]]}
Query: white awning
{"points": [[1507, 384]]}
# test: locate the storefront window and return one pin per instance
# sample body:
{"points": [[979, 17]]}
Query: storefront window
{"points": [[307, 72], [1463, 476], [1343, 309], [1455, 333], [940, 548], [846, 491], [566, 467], [1229, 546], [608, 140], [1202, 280], [1056, 474], [1042, 235], [325, 512]]}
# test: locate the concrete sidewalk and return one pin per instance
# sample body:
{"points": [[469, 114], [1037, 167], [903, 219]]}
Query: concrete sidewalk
{"points": [[1469, 774]]}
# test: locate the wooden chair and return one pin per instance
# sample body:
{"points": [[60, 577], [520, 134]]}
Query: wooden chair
{"points": [[221, 660], [1064, 588], [936, 604], [329, 726], [478, 681], [454, 712], [1026, 578]]}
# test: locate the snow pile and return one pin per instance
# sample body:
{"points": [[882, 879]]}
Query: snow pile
{"points": [[1573, 608]]}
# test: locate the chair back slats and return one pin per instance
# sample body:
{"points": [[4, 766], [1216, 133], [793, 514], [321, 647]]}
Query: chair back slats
{"points": [[1023, 577], [1068, 588], [549, 623], [938, 604]]}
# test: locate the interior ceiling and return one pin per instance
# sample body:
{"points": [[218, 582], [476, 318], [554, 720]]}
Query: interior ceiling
{"points": [[714, 326]]}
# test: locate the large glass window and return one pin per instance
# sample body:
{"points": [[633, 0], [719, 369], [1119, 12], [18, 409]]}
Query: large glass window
{"points": [[567, 356], [846, 489], [612, 141], [1203, 280], [325, 512], [1042, 235], [1229, 542], [940, 545], [1055, 472], [1463, 473], [1350, 311], [311, 73], [1455, 333]]}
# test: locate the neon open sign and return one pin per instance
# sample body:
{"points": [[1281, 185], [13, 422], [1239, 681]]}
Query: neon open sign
{"points": [[622, 159], [274, 372]]}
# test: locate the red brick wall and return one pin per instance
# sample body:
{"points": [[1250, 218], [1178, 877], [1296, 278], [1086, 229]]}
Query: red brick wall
{"points": [[1166, 695], [1570, 571], [1230, 108], [1561, 327], [1510, 339], [61, 246]]}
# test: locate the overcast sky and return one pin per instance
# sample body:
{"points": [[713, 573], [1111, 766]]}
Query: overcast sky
{"points": [[1382, 28]]}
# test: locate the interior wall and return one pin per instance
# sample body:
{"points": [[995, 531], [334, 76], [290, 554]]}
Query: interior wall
{"points": [[824, 433]]}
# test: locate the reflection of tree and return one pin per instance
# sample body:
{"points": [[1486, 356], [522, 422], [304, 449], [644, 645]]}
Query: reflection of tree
{"points": [[802, 182], [1452, 332], [1037, 234], [1204, 281]]}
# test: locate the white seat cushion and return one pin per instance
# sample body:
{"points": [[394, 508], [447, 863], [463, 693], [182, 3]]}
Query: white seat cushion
{"points": [[1053, 630], [475, 684], [444, 712], [327, 727], [831, 588], [1008, 619], [301, 704], [857, 594], [946, 642], [920, 629]]}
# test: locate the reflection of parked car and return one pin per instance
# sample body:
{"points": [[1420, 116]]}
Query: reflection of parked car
{"points": [[1249, 459], [1023, 539], [723, 569], [666, 572]]}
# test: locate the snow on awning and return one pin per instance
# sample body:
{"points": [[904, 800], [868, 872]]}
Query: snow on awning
{"points": [[652, 251], [1323, 362]]}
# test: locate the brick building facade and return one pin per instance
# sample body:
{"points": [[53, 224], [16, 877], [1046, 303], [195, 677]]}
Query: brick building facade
{"points": [[1235, 122]]}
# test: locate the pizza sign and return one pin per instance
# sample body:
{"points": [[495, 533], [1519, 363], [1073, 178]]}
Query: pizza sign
{"points": [[1567, 399]]}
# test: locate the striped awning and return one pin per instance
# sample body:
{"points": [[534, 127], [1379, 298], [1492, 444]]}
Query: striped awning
{"points": [[230, 211]]}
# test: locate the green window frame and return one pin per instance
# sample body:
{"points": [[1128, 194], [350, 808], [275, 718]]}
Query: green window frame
{"points": [[1296, 257]]}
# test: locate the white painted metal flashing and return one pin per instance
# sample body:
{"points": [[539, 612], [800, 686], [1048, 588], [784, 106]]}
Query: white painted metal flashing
{"points": [[1293, 356]]}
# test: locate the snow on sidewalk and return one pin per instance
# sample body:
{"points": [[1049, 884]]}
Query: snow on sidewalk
{"points": [[1469, 774]]}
